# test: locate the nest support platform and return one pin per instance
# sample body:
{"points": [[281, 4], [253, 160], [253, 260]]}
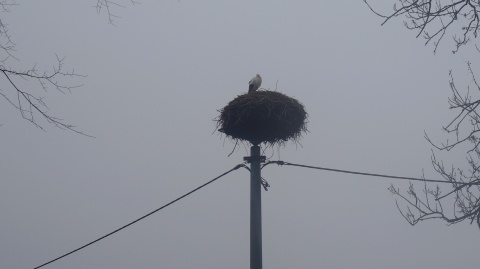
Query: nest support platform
{"points": [[263, 117]]}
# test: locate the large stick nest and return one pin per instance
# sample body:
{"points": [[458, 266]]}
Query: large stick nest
{"points": [[263, 117]]}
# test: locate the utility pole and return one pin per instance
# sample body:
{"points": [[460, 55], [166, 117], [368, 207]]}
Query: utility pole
{"points": [[255, 207], [268, 117]]}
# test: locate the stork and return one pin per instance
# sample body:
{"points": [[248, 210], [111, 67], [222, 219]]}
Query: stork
{"points": [[254, 83]]}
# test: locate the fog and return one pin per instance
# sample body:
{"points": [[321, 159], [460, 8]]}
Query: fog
{"points": [[153, 87]]}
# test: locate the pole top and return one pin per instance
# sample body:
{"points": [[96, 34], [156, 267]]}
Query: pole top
{"points": [[250, 159]]}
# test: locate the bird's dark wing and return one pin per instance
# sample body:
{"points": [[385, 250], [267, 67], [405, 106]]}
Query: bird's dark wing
{"points": [[250, 87]]}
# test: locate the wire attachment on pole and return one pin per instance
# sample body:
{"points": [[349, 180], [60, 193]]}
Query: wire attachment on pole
{"points": [[264, 182], [270, 162]]}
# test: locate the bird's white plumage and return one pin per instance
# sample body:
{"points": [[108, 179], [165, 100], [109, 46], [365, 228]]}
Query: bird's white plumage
{"points": [[254, 83]]}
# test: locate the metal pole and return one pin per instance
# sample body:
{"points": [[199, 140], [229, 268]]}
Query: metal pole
{"points": [[255, 207]]}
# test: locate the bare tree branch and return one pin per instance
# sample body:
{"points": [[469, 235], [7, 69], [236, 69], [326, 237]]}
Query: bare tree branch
{"points": [[433, 18], [108, 5], [464, 198], [30, 104], [26, 97]]}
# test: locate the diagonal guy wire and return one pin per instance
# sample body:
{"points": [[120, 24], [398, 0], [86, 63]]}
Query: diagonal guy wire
{"points": [[135, 221]]}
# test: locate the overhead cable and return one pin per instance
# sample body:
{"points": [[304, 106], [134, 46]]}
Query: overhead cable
{"points": [[144, 216], [369, 174]]}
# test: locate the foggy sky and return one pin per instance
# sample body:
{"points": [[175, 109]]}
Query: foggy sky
{"points": [[154, 84]]}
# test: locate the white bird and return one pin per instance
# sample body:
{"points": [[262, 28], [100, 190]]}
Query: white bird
{"points": [[254, 83]]}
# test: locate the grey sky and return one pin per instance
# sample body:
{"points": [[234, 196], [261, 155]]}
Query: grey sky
{"points": [[154, 85]]}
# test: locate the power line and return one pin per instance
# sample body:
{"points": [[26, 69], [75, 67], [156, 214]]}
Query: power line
{"points": [[242, 165], [368, 174], [151, 213]]}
